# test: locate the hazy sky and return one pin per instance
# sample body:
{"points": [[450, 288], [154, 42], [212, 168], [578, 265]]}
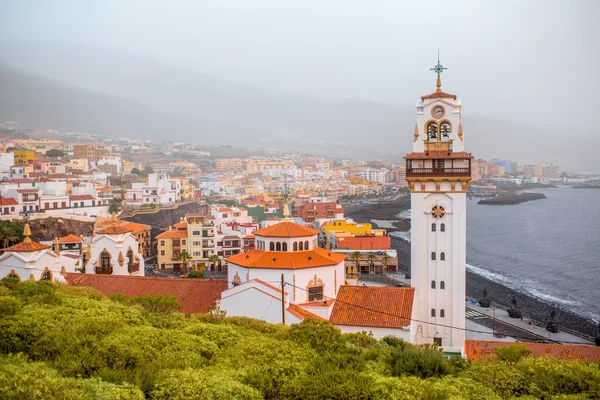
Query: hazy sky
{"points": [[519, 60]]}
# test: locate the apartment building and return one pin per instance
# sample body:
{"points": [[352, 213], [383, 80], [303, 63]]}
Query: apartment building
{"points": [[195, 234]]}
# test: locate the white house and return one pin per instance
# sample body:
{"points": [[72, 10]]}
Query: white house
{"points": [[115, 251], [35, 261], [287, 250]]}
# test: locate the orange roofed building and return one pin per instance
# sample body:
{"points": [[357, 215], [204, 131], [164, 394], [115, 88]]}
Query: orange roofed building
{"points": [[142, 232], [195, 295], [381, 310], [312, 275]]}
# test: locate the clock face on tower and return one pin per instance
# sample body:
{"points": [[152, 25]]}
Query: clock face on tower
{"points": [[438, 111], [437, 211]]}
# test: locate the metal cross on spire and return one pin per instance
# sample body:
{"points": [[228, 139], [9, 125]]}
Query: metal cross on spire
{"points": [[439, 68]]}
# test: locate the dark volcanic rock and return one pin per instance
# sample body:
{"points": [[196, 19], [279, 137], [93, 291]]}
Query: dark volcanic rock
{"points": [[512, 198]]}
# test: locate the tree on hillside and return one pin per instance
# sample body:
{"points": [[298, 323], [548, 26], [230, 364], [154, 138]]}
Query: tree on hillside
{"points": [[55, 153], [136, 171], [185, 258], [114, 207], [10, 233]]}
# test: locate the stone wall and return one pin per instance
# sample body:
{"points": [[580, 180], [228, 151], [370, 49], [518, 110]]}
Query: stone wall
{"points": [[161, 219]]}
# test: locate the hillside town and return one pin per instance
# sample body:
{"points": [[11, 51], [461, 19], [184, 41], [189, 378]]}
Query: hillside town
{"points": [[266, 234]]}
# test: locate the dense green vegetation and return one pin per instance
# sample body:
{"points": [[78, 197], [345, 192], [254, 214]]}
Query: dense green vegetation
{"points": [[62, 342]]}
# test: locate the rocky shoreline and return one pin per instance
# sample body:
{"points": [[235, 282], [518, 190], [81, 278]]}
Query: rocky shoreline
{"points": [[501, 295], [531, 307]]}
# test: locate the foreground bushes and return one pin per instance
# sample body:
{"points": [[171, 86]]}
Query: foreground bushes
{"points": [[65, 342]]}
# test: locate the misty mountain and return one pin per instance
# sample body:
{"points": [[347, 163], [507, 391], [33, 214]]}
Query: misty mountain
{"points": [[41, 103], [151, 98]]}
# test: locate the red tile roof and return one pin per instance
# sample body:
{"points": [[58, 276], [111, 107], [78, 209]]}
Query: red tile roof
{"points": [[302, 314], [437, 154], [20, 180], [438, 94], [114, 230], [79, 197], [172, 235], [286, 229], [268, 285], [195, 295], [27, 190], [71, 239], [474, 349], [8, 201], [392, 306], [286, 260], [27, 246]]}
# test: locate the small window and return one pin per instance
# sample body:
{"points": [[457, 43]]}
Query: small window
{"points": [[442, 256], [442, 227], [442, 313], [284, 246], [442, 285], [301, 246], [433, 255], [278, 246], [433, 312], [105, 260], [272, 246], [433, 284], [437, 341], [162, 242], [315, 293], [295, 246], [433, 227], [162, 252], [306, 245]]}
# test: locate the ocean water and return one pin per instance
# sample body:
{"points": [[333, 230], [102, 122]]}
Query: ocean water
{"points": [[546, 248]]}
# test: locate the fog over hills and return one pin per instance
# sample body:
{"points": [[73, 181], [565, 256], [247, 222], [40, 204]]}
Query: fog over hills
{"points": [[81, 88]]}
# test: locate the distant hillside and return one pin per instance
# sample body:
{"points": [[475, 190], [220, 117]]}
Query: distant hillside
{"points": [[202, 109], [41, 103]]}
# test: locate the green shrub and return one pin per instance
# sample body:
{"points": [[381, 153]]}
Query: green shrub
{"points": [[192, 384], [421, 361], [20, 379], [512, 353]]}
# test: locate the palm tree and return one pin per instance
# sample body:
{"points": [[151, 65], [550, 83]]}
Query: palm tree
{"points": [[371, 258], [356, 258], [7, 236], [385, 259], [214, 259], [185, 258]]}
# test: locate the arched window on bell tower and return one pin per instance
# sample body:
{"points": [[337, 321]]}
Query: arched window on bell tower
{"points": [[445, 131], [433, 227], [432, 130]]}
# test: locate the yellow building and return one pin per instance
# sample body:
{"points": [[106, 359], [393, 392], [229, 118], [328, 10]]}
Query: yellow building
{"points": [[352, 228], [128, 166], [23, 156], [195, 234]]}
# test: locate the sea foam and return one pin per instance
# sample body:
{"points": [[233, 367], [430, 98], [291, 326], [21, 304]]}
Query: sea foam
{"points": [[401, 235]]}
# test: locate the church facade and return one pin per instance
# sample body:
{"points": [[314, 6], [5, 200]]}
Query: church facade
{"points": [[438, 172]]}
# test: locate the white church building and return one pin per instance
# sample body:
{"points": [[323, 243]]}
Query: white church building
{"points": [[114, 250], [438, 172], [30, 260], [286, 252]]}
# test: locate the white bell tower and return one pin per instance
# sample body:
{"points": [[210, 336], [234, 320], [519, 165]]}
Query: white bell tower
{"points": [[438, 172]]}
